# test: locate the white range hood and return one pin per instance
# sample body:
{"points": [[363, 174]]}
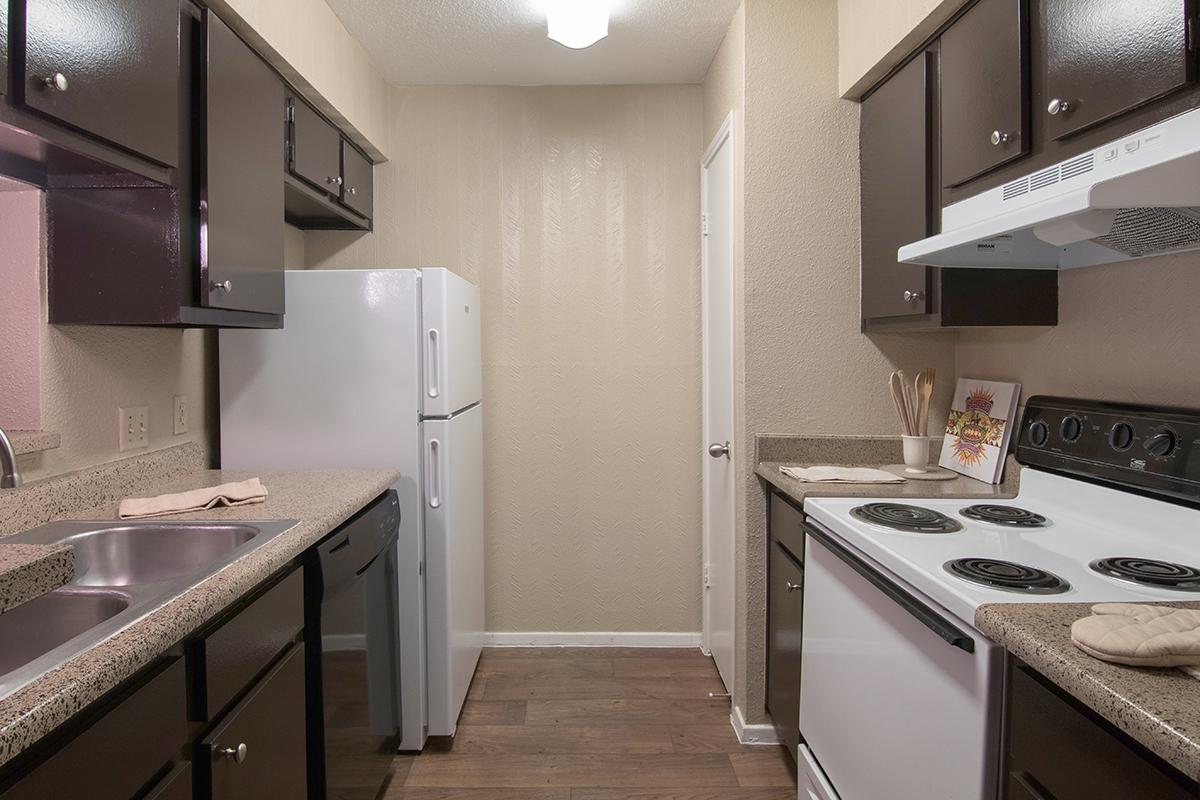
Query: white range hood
{"points": [[1137, 196]]}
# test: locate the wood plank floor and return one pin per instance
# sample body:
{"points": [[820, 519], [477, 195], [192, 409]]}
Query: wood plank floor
{"points": [[594, 724]]}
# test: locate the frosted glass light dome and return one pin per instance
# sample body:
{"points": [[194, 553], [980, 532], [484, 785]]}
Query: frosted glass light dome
{"points": [[577, 23]]}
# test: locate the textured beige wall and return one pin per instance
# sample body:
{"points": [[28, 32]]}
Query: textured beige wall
{"points": [[308, 44], [807, 367], [88, 372], [576, 209], [876, 35], [1126, 332]]}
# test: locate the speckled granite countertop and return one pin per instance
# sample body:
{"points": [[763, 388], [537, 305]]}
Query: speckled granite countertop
{"points": [[1158, 707], [320, 500], [30, 570], [773, 452]]}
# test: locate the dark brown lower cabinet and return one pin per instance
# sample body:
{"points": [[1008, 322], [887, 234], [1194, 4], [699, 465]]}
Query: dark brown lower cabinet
{"points": [[1058, 750], [785, 620], [117, 755], [261, 742], [177, 785]]}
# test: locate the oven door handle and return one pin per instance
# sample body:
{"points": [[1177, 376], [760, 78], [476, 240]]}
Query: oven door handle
{"points": [[947, 630]]}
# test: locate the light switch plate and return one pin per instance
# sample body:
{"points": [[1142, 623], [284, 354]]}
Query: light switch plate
{"points": [[134, 430], [181, 414]]}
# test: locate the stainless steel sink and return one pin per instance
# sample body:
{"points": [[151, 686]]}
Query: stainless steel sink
{"points": [[123, 571], [35, 628], [150, 553]]}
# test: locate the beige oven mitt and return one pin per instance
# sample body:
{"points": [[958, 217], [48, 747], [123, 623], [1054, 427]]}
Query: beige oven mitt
{"points": [[1141, 636]]}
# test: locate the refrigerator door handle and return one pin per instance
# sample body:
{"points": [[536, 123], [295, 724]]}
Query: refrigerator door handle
{"points": [[433, 366], [433, 477]]}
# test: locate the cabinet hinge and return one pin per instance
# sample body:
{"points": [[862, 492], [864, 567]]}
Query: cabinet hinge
{"points": [[704, 224], [707, 582], [291, 113]]}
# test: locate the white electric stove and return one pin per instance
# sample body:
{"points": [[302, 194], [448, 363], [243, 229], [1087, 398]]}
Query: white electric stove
{"points": [[901, 697]]}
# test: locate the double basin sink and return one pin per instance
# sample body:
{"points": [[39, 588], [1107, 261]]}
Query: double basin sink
{"points": [[123, 571]]}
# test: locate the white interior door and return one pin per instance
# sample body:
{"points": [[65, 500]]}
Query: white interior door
{"points": [[717, 197]]}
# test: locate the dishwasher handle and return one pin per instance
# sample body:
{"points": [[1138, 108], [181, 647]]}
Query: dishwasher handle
{"points": [[944, 628]]}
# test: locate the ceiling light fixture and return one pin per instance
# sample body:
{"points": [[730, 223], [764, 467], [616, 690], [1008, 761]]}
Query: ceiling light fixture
{"points": [[577, 23]]}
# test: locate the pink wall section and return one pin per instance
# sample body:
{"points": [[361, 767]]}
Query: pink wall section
{"points": [[20, 309]]}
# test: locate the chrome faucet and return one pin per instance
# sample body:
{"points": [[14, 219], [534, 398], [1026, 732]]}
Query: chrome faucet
{"points": [[10, 478]]}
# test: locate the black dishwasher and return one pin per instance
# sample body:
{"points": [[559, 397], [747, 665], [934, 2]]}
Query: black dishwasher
{"points": [[351, 619]]}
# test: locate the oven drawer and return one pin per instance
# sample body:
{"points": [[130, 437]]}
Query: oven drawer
{"points": [[893, 682]]}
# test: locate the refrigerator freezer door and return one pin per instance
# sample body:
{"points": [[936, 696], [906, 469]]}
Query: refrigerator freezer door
{"points": [[450, 343], [337, 387], [453, 501]]}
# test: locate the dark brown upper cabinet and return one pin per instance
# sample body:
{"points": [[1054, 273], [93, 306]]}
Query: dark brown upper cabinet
{"points": [[241, 192], [1103, 58], [328, 183], [895, 142], [358, 181], [984, 89], [898, 207], [315, 152], [109, 68]]}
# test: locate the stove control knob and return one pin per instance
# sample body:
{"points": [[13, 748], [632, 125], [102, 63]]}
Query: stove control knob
{"points": [[1121, 436], [1039, 433], [1071, 428], [1162, 443]]}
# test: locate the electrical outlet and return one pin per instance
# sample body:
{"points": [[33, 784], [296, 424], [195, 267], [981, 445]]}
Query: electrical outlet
{"points": [[134, 430], [181, 414]]}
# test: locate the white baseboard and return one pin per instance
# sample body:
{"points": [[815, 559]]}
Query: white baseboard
{"points": [[751, 734], [591, 639]]}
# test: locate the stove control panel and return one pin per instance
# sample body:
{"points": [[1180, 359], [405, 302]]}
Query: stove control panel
{"points": [[1156, 450]]}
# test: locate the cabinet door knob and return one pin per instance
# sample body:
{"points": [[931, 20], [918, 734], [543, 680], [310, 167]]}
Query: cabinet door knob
{"points": [[238, 754], [352, 191], [221, 286], [910, 296], [792, 587], [57, 82], [1059, 106], [334, 180], [1000, 137]]}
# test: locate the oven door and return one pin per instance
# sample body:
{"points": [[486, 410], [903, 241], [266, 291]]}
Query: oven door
{"points": [[900, 700]]}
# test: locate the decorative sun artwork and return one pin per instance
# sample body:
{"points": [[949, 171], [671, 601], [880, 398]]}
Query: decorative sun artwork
{"points": [[979, 427]]}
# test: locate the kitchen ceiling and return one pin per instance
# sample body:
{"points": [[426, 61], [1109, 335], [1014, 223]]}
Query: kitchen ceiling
{"points": [[503, 42]]}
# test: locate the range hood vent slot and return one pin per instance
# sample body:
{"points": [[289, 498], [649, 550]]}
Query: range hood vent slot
{"points": [[1040, 180], [1078, 166], [1016, 188], [1141, 232]]}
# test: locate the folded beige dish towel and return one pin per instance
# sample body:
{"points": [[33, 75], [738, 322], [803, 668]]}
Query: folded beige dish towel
{"points": [[243, 493], [1141, 636], [840, 475]]}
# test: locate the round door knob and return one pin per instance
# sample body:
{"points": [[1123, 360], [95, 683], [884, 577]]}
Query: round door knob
{"points": [[1000, 137], [57, 82], [719, 450], [1059, 106], [911, 296], [238, 754], [221, 286]]}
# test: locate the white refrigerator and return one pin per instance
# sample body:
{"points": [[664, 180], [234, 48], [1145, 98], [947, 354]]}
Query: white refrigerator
{"points": [[381, 369]]}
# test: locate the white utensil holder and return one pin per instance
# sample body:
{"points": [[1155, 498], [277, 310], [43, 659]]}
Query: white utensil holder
{"points": [[916, 454]]}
